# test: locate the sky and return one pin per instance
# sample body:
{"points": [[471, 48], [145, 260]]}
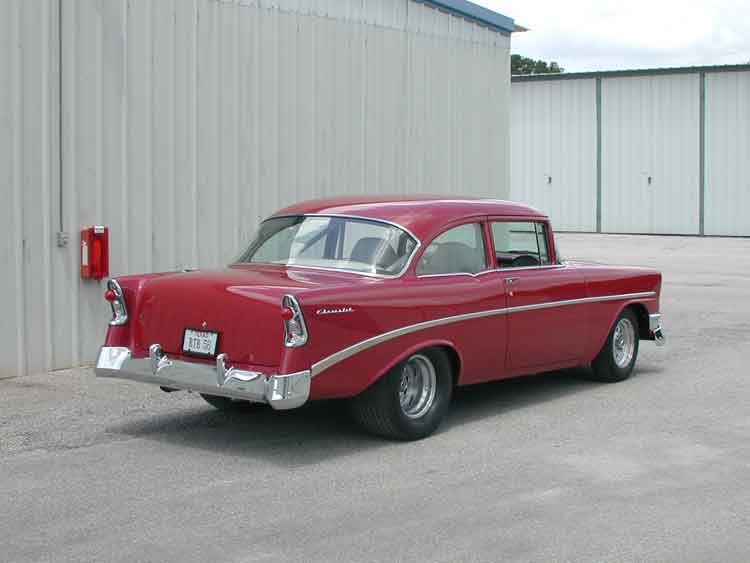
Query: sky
{"points": [[587, 35]]}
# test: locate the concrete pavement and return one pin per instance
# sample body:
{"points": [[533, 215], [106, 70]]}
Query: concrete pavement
{"points": [[548, 468]]}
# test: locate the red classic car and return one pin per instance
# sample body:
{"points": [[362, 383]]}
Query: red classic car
{"points": [[389, 302]]}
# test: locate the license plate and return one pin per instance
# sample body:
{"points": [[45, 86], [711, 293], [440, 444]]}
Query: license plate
{"points": [[200, 342]]}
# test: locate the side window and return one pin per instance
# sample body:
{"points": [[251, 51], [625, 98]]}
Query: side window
{"points": [[458, 250], [520, 244], [541, 236]]}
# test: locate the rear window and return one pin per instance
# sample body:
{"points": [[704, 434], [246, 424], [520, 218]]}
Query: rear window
{"points": [[336, 243]]}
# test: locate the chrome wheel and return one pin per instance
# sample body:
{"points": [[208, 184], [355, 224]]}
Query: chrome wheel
{"points": [[623, 343], [417, 386]]}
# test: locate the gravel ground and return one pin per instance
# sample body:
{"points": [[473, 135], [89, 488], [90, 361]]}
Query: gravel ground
{"points": [[546, 468]]}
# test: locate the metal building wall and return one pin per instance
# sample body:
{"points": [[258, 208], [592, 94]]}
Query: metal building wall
{"points": [[650, 154], [669, 149], [553, 127], [29, 174], [728, 154], [184, 122]]}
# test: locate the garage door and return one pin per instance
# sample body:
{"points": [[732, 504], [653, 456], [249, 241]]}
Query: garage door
{"points": [[650, 154], [553, 150], [727, 150]]}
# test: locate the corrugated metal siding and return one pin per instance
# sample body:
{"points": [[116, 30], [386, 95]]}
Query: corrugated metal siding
{"points": [[728, 154], [553, 153], [650, 129], [186, 121], [28, 177]]}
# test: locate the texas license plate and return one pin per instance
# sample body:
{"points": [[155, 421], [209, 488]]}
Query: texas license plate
{"points": [[200, 342]]}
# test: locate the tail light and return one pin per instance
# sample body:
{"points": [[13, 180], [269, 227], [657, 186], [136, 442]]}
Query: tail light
{"points": [[295, 330], [116, 300]]}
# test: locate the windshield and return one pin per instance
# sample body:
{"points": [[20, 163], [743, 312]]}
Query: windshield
{"points": [[339, 243]]}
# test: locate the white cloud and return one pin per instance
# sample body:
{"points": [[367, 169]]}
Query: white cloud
{"points": [[589, 35]]}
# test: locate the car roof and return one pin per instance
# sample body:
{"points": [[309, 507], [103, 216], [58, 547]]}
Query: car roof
{"points": [[422, 215]]}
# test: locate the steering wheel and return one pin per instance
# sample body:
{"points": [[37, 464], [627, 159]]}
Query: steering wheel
{"points": [[525, 261]]}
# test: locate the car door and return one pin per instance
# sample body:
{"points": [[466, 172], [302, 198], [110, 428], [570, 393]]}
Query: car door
{"points": [[456, 282], [547, 322]]}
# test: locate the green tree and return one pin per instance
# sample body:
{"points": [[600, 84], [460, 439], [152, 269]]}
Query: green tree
{"points": [[524, 65]]}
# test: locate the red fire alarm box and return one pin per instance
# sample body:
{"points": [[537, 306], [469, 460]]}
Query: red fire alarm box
{"points": [[95, 253]]}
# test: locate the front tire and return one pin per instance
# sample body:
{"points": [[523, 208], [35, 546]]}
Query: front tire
{"points": [[617, 357], [410, 401]]}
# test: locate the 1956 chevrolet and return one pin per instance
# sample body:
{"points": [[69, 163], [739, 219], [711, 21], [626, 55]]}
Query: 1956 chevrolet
{"points": [[388, 302]]}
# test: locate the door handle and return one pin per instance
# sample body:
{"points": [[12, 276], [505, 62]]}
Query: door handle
{"points": [[511, 281]]}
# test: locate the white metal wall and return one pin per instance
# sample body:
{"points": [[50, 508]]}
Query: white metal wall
{"points": [[29, 175], [650, 154], [186, 121], [553, 127], [728, 154]]}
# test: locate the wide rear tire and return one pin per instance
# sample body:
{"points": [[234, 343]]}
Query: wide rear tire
{"points": [[616, 360], [410, 401]]}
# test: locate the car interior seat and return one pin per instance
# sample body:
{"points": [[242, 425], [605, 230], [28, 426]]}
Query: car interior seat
{"points": [[450, 257], [365, 249]]}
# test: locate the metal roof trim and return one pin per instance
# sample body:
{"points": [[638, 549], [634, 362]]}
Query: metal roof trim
{"points": [[475, 13], [633, 72]]}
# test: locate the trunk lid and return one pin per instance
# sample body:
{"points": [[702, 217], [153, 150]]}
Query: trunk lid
{"points": [[241, 304]]}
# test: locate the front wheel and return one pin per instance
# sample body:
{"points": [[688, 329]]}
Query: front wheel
{"points": [[410, 401], [616, 359]]}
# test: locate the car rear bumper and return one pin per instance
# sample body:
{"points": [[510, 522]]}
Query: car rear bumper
{"points": [[654, 325], [280, 391]]}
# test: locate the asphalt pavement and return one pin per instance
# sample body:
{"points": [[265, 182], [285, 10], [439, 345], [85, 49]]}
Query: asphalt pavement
{"points": [[545, 468]]}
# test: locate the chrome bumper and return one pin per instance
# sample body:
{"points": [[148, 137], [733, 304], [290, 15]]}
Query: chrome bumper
{"points": [[280, 391], [654, 325]]}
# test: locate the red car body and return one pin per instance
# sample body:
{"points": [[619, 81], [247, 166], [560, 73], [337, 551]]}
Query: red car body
{"points": [[498, 323]]}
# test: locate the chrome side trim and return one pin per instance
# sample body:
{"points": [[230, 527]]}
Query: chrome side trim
{"points": [[483, 272], [324, 269], [623, 296], [427, 276], [346, 353]]}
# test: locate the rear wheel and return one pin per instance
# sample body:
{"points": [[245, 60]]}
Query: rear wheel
{"points": [[616, 359], [410, 401], [227, 404]]}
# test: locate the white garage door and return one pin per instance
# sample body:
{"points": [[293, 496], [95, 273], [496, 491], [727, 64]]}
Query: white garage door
{"points": [[650, 154], [728, 154], [553, 150]]}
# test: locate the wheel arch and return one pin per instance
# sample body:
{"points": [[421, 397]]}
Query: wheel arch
{"points": [[454, 356], [641, 313]]}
